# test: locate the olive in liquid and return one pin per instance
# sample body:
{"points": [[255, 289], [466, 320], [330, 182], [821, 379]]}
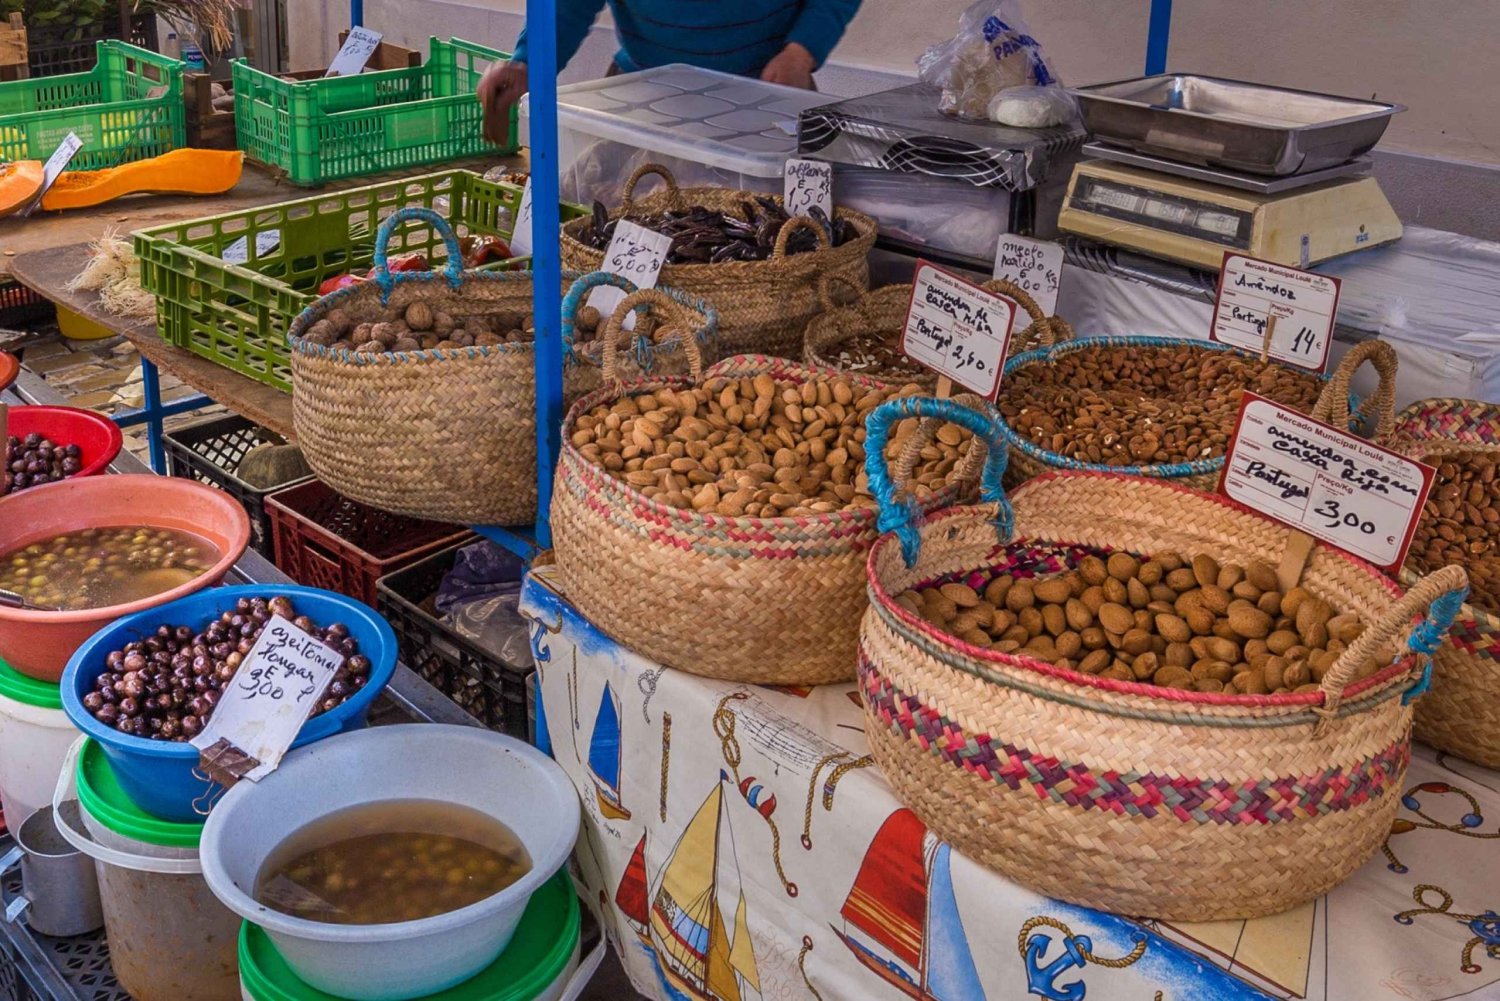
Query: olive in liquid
{"points": [[101, 567], [399, 860]]}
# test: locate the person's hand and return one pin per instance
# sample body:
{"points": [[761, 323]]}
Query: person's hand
{"points": [[792, 66], [499, 90]]}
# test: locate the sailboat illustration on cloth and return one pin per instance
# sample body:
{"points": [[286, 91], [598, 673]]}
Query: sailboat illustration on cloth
{"points": [[901, 917], [696, 955], [605, 750]]}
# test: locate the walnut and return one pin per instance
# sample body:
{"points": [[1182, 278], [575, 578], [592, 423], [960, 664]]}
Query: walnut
{"points": [[343, 345], [361, 333], [419, 316], [340, 319], [488, 339], [442, 323], [370, 348], [321, 332], [587, 319], [407, 344], [386, 333], [446, 345]]}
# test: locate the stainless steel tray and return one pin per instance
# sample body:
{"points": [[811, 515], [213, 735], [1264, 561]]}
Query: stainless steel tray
{"points": [[1228, 123]]}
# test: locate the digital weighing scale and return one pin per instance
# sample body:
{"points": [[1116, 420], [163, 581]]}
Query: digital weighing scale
{"points": [[1194, 213]]}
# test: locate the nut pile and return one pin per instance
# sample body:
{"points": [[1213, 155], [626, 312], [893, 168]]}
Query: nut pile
{"points": [[1169, 621], [1461, 523], [165, 687], [757, 447], [701, 235], [1124, 406], [875, 354], [34, 460], [421, 328]]}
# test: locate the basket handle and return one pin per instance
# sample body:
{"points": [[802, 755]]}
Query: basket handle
{"points": [[674, 315], [828, 284], [778, 252], [1333, 403], [416, 213], [1043, 330], [674, 193], [578, 293], [1438, 597], [901, 514]]}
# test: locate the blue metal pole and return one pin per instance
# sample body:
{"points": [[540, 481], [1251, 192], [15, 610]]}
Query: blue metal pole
{"points": [[356, 13], [1158, 34], [546, 259], [151, 408]]}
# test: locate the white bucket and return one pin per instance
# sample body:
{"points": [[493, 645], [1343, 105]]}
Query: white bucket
{"points": [[35, 735]]}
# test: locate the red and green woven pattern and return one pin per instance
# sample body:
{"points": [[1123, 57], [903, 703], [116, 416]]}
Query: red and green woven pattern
{"points": [[1472, 422]]}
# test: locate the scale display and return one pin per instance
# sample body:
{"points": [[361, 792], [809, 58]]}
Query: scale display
{"points": [[1128, 203]]}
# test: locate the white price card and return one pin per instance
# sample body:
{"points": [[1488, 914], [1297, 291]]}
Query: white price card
{"points": [[520, 237], [1034, 266], [238, 252], [271, 695], [958, 330], [808, 185], [354, 53], [1304, 304], [1344, 490], [634, 252], [55, 165]]}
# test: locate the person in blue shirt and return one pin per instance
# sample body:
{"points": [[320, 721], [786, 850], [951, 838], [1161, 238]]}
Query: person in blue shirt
{"points": [[781, 41]]}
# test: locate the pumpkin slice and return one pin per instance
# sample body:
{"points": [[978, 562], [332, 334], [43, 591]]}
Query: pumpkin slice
{"points": [[180, 172], [19, 183]]}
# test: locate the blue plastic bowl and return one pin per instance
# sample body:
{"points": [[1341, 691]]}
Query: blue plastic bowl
{"points": [[161, 776]]}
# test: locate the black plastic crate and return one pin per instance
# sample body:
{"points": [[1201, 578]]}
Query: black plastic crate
{"points": [[51, 52], [19, 305], [210, 452], [487, 689]]}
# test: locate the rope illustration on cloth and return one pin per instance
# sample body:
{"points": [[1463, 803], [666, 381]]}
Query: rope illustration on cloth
{"points": [[724, 723], [666, 757], [828, 788], [1485, 926], [1466, 826], [1077, 951], [647, 684], [802, 967]]}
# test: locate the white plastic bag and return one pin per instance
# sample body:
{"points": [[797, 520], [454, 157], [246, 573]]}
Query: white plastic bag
{"points": [[993, 51], [1032, 107]]}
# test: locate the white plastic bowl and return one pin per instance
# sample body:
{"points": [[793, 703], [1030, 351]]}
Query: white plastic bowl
{"points": [[489, 772]]}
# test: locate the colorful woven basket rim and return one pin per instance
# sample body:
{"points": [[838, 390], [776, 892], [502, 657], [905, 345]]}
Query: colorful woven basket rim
{"points": [[912, 623], [860, 517], [1160, 470]]}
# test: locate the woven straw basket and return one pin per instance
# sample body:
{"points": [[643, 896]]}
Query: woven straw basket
{"points": [[1028, 459], [447, 435], [764, 306], [1122, 796], [761, 600], [1461, 715], [883, 310]]}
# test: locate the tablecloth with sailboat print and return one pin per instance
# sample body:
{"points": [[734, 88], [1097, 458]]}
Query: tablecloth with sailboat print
{"points": [[742, 847]]}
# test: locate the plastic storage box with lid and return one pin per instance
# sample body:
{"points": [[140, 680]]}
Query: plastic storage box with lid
{"points": [[709, 128]]}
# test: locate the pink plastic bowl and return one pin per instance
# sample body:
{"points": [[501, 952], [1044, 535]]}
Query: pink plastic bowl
{"points": [[97, 437], [9, 369], [38, 644]]}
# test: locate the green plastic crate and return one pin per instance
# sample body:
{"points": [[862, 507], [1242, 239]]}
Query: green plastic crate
{"points": [[238, 314], [128, 107], [321, 130]]}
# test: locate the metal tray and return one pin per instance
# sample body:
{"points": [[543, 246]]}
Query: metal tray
{"points": [[1228, 123]]}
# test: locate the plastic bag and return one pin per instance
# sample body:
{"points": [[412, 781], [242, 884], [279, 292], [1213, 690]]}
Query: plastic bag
{"points": [[480, 599], [992, 51], [1032, 107]]}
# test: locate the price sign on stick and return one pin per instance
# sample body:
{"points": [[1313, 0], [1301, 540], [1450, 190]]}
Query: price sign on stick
{"points": [[808, 185], [354, 53], [637, 253], [1323, 481], [520, 237], [1035, 266], [265, 704], [958, 330], [55, 165], [1299, 305]]}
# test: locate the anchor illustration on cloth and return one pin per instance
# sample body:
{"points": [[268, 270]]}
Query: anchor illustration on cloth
{"points": [[1078, 951]]}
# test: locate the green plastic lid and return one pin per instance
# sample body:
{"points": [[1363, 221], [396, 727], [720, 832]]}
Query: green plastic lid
{"points": [[15, 685], [537, 955], [100, 794]]}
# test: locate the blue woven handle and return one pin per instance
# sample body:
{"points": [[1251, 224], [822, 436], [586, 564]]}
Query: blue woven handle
{"points": [[382, 275], [574, 300], [900, 514], [1429, 635]]}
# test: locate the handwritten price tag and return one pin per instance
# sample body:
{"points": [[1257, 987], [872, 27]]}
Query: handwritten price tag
{"points": [[957, 329], [271, 695], [354, 53], [1033, 265], [520, 237], [1360, 497], [1304, 304], [55, 165], [808, 185], [637, 253]]}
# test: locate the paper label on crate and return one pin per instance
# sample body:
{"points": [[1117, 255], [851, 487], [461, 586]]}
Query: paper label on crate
{"points": [[634, 252], [55, 165], [238, 252], [957, 329], [808, 184], [271, 695], [1323, 481], [520, 237], [1305, 305], [354, 53], [1035, 266]]}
